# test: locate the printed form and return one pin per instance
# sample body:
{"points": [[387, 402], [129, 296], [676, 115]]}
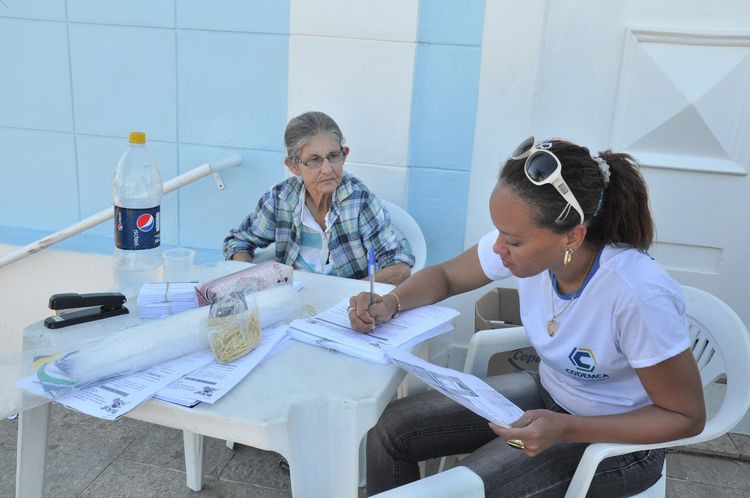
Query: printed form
{"points": [[209, 383], [204, 378], [463, 388], [117, 396]]}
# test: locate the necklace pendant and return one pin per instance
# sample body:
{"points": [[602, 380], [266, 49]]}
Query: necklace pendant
{"points": [[551, 327]]}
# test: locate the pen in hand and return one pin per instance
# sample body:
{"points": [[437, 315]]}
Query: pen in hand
{"points": [[371, 272]]}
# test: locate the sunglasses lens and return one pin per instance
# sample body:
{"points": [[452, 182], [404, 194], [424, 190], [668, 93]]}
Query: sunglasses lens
{"points": [[522, 149], [540, 166]]}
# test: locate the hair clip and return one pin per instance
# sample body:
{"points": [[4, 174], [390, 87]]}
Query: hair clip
{"points": [[603, 167]]}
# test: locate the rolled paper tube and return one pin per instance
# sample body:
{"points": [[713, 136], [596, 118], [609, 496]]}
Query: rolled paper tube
{"points": [[152, 343], [255, 278], [138, 347]]}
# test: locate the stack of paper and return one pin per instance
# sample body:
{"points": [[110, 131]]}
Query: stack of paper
{"points": [[166, 298], [185, 381], [117, 396], [331, 330]]}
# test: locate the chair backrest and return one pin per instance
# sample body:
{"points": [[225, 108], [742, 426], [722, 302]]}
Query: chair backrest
{"points": [[265, 254], [721, 347], [410, 229]]}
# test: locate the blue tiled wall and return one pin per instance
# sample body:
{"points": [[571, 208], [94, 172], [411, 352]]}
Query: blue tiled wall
{"points": [[444, 101], [203, 81]]}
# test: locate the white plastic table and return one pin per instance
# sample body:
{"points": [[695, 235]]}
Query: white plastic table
{"points": [[311, 405]]}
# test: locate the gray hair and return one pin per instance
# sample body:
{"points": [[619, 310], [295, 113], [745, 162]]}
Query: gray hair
{"points": [[305, 126]]}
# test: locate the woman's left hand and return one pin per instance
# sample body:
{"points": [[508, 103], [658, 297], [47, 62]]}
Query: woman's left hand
{"points": [[538, 429]]}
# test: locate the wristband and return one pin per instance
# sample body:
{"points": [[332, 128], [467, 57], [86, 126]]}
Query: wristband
{"points": [[398, 305]]}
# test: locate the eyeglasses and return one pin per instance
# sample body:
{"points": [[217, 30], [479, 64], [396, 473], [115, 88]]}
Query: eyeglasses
{"points": [[316, 162], [542, 167]]}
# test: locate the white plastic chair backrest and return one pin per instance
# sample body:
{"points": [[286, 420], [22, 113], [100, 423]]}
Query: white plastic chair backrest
{"points": [[266, 254], [410, 229], [721, 347]]}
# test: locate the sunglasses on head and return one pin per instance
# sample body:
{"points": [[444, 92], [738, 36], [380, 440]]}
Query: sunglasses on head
{"points": [[542, 167]]}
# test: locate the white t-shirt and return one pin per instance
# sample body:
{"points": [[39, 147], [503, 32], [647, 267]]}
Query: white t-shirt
{"points": [[629, 314]]}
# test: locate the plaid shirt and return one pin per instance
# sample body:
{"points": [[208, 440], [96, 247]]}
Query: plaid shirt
{"points": [[359, 222]]}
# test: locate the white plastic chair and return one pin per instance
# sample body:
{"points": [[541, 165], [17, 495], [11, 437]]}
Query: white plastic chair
{"points": [[409, 229], [265, 254], [721, 346], [400, 219], [458, 482]]}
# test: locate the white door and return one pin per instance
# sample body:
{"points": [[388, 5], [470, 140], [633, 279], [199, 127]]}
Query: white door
{"points": [[667, 81]]}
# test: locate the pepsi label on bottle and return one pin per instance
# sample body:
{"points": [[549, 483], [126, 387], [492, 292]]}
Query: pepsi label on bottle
{"points": [[137, 228]]}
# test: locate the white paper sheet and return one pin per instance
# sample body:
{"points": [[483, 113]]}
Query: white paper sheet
{"points": [[209, 383], [466, 389]]}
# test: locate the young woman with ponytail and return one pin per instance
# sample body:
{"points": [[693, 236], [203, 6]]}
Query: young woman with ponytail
{"points": [[605, 318]]}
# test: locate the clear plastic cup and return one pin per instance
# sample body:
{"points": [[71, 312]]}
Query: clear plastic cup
{"points": [[178, 264]]}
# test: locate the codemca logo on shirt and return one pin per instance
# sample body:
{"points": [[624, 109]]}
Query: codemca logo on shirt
{"points": [[585, 362]]}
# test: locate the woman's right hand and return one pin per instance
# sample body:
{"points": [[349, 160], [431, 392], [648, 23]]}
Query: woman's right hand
{"points": [[365, 316]]}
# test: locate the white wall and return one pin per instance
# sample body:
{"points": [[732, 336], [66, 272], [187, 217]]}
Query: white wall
{"points": [[665, 81], [356, 63], [512, 41]]}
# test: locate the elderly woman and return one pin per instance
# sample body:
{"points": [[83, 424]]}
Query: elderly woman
{"points": [[322, 219]]}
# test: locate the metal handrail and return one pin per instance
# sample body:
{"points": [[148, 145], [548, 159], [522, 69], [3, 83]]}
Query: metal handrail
{"points": [[205, 169]]}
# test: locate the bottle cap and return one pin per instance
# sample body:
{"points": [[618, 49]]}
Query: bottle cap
{"points": [[137, 137]]}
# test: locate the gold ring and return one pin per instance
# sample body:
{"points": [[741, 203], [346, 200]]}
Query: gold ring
{"points": [[350, 309], [516, 443]]}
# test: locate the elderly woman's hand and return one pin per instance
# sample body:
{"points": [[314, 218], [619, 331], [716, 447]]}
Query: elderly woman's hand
{"points": [[364, 316]]}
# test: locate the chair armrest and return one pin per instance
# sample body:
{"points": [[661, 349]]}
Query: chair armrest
{"points": [[597, 452], [458, 482], [592, 457], [486, 343]]}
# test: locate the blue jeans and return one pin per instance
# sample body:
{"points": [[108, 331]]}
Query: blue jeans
{"points": [[430, 425]]}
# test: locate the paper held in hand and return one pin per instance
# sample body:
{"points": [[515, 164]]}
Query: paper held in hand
{"points": [[331, 330], [466, 389]]}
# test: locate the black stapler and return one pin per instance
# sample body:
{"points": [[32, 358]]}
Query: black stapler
{"points": [[96, 306]]}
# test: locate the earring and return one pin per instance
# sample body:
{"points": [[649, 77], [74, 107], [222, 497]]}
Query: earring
{"points": [[568, 256]]}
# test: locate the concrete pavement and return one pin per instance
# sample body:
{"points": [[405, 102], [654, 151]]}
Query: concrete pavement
{"points": [[90, 457]]}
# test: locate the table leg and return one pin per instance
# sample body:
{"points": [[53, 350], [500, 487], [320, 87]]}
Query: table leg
{"points": [[324, 440], [31, 452], [193, 459]]}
